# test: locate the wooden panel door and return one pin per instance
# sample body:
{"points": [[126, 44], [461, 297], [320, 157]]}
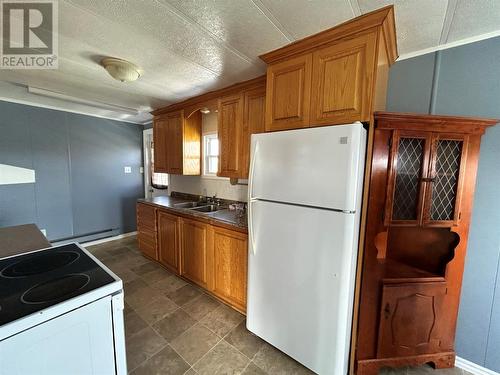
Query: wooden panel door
{"points": [[342, 81], [253, 122], [288, 93], [409, 319], [408, 169], [168, 241], [146, 230], [445, 180], [160, 135], [229, 266], [194, 251], [230, 124], [175, 147]]}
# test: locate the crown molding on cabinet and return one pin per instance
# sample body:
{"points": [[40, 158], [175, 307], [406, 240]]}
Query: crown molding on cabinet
{"points": [[377, 18]]}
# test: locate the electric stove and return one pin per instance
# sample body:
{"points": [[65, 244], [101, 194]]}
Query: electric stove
{"points": [[35, 281]]}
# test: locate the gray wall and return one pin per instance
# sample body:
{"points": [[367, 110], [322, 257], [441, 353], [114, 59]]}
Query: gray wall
{"points": [[79, 164], [466, 81]]}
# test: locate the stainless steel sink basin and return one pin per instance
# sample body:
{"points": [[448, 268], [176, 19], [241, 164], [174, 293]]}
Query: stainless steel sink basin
{"points": [[189, 204], [207, 208]]}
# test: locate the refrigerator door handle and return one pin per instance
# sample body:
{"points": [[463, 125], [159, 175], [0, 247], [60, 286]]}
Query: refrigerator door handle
{"points": [[250, 228], [252, 171], [250, 198]]}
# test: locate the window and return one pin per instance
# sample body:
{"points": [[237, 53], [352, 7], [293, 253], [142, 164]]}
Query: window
{"points": [[158, 180], [210, 154]]}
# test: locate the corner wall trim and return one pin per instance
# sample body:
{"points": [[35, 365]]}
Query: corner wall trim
{"points": [[473, 368], [103, 240]]}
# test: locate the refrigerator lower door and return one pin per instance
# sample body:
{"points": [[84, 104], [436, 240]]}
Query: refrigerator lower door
{"points": [[301, 282]]}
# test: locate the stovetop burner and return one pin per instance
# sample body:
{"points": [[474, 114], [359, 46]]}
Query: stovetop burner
{"points": [[55, 289], [35, 281], [41, 263]]}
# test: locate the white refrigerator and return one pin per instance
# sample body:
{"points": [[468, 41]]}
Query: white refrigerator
{"points": [[305, 190]]}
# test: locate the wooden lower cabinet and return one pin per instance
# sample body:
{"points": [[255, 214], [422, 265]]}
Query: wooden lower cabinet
{"points": [[228, 266], [194, 251], [410, 319], [168, 241], [146, 230]]}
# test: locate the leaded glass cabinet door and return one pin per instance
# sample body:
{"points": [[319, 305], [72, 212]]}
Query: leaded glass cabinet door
{"points": [[446, 171], [410, 152]]}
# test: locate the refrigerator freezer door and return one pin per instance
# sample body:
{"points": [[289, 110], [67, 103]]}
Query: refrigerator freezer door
{"points": [[320, 167], [301, 282]]}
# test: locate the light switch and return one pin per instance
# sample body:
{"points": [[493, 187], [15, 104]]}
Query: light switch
{"points": [[128, 170], [141, 170]]}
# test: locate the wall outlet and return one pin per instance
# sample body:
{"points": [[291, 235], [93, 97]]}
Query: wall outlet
{"points": [[141, 170], [44, 231], [128, 169]]}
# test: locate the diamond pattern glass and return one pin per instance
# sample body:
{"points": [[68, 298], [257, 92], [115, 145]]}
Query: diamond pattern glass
{"points": [[408, 172], [444, 188]]}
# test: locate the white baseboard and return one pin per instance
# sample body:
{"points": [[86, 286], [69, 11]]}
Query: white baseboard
{"points": [[473, 368], [107, 239]]}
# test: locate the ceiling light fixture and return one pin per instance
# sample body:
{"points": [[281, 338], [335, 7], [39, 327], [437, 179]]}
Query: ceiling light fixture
{"points": [[205, 110], [121, 70], [90, 103]]}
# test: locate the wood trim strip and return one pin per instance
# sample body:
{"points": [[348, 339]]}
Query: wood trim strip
{"points": [[212, 95]]}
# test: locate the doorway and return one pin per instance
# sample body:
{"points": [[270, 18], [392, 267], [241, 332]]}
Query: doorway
{"points": [[155, 184]]}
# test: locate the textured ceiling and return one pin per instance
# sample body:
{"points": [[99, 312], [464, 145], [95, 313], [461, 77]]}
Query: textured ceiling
{"points": [[186, 47]]}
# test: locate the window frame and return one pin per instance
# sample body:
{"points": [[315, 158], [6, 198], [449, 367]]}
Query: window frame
{"points": [[205, 157]]}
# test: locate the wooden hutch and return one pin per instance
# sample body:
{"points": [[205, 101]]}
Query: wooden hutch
{"points": [[423, 175]]}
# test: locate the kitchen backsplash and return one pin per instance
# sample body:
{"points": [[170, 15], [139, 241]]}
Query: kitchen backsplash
{"points": [[208, 187]]}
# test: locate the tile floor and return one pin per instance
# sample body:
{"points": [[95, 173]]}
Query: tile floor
{"points": [[173, 327]]}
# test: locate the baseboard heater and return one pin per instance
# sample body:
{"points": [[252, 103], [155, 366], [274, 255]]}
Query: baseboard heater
{"points": [[87, 237]]}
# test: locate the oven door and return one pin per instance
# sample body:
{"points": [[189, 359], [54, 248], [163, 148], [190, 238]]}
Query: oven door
{"points": [[78, 342]]}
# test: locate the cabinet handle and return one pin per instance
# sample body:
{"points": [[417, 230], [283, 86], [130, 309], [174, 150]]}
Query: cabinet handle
{"points": [[428, 179], [387, 311]]}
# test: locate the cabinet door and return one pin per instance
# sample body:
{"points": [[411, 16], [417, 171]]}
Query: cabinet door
{"points": [[410, 319], [229, 266], [168, 241], [160, 135], [409, 164], [146, 230], [288, 94], [174, 142], [444, 188], [230, 123], [253, 122], [194, 251], [343, 76]]}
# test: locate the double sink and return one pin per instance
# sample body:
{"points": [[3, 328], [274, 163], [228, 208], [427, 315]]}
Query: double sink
{"points": [[199, 206]]}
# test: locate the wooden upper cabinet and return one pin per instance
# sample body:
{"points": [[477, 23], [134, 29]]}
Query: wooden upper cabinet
{"points": [[177, 142], [194, 251], [160, 131], [288, 93], [330, 78], [230, 127], [425, 178], [168, 241], [174, 142], [253, 123], [228, 264], [342, 81]]}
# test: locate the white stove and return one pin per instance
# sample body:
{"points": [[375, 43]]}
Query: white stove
{"points": [[61, 312]]}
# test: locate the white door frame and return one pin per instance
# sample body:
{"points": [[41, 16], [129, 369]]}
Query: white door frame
{"points": [[146, 134]]}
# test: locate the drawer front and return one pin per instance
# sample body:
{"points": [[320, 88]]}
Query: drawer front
{"points": [[147, 243]]}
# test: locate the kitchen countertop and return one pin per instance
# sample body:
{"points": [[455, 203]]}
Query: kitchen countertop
{"points": [[21, 239], [230, 219]]}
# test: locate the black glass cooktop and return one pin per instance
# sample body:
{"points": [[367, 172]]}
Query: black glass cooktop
{"points": [[33, 282]]}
